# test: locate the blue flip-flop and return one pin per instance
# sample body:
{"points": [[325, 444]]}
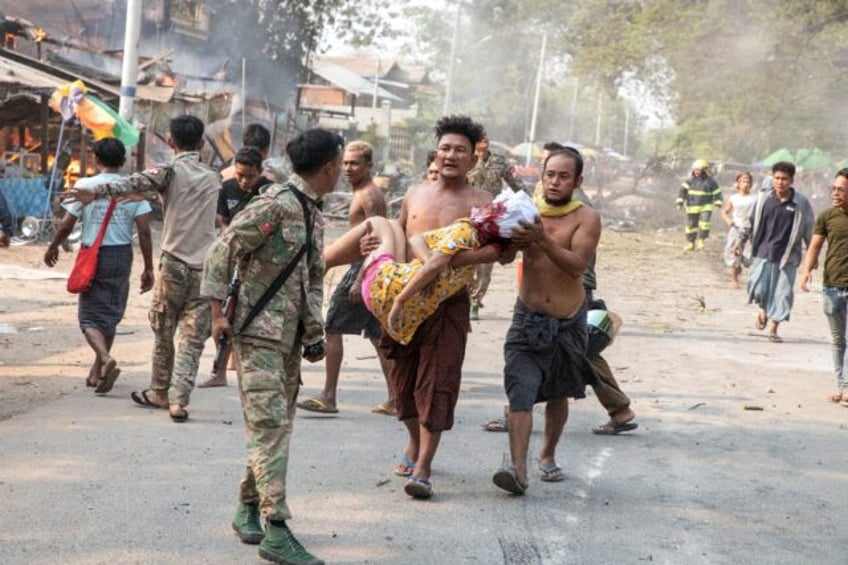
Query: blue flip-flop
{"points": [[405, 468], [551, 473], [418, 488]]}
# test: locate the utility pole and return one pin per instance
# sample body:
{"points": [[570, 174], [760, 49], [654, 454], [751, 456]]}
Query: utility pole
{"points": [[376, 88], [243, 95], [598, 122], [572, 134], [535, 115], [129, 69], [452, 61]]}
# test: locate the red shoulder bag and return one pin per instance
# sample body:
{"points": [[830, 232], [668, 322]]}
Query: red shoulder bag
{"points": [[85, 266]]}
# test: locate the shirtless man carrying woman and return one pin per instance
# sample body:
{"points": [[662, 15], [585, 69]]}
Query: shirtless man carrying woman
{"points": [[426, 373], [545, 348]]}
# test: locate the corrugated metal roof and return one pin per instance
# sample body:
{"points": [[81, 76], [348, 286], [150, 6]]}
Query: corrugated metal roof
{"points": [[364, 66], [350, 81], [21, 75], [16, 68]]}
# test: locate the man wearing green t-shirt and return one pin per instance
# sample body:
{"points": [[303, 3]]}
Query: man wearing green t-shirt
{"points": [[832, 226]]}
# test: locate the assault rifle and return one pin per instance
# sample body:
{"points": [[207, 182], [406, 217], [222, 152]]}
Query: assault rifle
{"points": [[229, 310]]}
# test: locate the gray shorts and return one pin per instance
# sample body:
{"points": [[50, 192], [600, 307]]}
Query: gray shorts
{"points": [[545, 358], [345, 317]]}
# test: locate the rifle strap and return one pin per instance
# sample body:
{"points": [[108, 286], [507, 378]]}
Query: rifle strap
{"points": [[290, 266]]}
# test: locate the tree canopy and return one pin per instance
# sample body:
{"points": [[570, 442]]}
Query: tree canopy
{"points": [[735, 78]]}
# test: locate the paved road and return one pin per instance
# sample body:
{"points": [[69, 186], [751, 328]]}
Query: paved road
{"points": [[86, 480]]}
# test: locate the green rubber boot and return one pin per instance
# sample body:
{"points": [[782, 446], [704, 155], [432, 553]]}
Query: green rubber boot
{"points": [[247, 525], [280, 546]]}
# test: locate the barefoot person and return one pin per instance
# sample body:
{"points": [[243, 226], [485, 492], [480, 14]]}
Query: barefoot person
{"points": [[346, 316], [426, 373], [102, 307], [545, 348]]}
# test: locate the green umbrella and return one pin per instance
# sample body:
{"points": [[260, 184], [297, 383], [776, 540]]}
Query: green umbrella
{"points": [[782, 154], [813, 159]]}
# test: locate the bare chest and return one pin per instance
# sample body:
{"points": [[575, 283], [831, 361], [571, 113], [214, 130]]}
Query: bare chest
{"points": [[428, 212]]}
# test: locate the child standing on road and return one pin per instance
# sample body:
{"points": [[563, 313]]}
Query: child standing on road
{"points": [[735, 214]]}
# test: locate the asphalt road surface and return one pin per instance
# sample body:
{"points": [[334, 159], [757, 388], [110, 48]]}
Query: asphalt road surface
{"points": [[704, 479]]}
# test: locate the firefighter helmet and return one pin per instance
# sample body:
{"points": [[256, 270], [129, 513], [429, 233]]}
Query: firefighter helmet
{"points": [[700, 164]]}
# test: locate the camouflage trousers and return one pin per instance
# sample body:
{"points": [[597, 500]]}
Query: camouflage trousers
{"points": [[268, 385], [176, 304], [482, 278]]}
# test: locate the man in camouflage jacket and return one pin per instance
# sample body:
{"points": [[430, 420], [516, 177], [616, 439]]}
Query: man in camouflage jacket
{"points": [[489, 174], [262, 239], [188, 190]]}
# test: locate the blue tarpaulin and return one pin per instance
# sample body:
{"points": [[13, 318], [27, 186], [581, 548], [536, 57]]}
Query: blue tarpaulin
{"points": [[27, 197]]}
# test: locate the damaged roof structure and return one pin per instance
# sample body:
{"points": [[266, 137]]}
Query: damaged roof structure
{"points": [[358, 93], [192, 61], [186, 65]]}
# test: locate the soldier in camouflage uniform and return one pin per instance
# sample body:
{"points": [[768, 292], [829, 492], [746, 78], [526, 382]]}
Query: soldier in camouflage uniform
{"points": [[189, 192], [262, 240], [489, 174]]}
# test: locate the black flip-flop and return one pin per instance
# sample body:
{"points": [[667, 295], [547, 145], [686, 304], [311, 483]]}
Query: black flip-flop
{"points": [[108, 381], [142, 399], [506, 478], [179, 418], [612, 428]]}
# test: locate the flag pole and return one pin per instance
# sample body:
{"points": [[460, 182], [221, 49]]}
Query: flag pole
{"points": [[48, 209]]}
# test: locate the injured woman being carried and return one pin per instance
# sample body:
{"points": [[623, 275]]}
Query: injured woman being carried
{"points": [[402, 293]]}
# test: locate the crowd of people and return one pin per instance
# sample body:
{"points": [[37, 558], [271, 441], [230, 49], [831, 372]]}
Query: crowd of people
{"points": [[773, 233], [407, 288], [243, 261]]}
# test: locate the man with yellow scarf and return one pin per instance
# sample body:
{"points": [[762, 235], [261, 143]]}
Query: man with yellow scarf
{"points": [[545, 347], [607, 389]]}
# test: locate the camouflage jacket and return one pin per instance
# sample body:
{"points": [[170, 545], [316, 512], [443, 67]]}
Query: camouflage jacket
{"points": [[262, 239], [490, 171]]}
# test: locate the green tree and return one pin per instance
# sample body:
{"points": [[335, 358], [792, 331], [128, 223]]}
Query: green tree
{"points": [[739, 77]]}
